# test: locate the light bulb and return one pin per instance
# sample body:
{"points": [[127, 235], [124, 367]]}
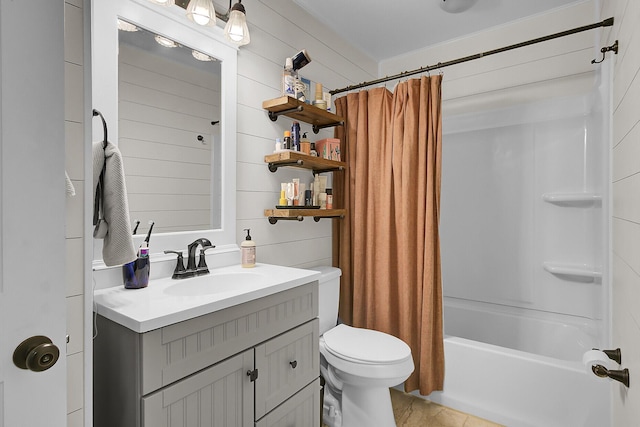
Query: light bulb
{"points": [[201, 12]]}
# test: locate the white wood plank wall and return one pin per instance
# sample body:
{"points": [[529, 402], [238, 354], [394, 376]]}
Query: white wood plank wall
{"points": [[163, 107], [626, 202], [279, 29], [530, 73]]}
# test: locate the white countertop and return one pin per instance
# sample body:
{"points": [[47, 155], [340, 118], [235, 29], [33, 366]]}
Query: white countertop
{"points": [[167, 301]]}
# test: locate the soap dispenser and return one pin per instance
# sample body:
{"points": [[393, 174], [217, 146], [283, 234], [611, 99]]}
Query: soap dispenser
{"points": [[248, 251]]}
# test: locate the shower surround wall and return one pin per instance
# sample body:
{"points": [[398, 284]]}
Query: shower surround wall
{"points": [[523, 222], [525, 258]]}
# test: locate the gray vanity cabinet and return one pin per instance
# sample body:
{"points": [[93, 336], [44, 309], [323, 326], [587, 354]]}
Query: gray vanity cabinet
{"points": [[254, 364]]}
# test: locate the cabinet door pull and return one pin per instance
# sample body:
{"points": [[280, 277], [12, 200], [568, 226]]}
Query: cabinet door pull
{"points": [[253, 375], [293, 364]]}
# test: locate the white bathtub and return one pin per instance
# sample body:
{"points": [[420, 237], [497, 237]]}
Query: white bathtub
{"points": [[519, 388]]}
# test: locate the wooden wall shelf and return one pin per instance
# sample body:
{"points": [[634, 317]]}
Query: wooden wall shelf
{"points": [[275, 215], [304, 161], [298, 110]]}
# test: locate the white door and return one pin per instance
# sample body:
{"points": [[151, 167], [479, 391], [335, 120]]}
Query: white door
{"points": [[32, 210]]}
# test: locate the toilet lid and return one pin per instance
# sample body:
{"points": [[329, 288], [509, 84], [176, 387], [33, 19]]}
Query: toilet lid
{"points": [[365, 345]]}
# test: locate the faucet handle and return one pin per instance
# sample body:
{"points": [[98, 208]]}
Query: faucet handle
{"points": [[179, 272], [202, 262]]}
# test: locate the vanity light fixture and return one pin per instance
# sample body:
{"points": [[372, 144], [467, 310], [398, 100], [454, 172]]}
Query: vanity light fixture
{"points": [[163, 41], [202, 12], [236, 30], [126, 26]]}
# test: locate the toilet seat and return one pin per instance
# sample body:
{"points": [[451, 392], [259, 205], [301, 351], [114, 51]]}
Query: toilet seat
{"points": [[365, 346]]}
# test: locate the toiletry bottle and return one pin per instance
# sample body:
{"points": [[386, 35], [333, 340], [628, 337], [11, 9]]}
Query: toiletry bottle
{"points": [[316, 191], [288, 79], [329, 198], [283, 194], [296, 191], [295, 136], [312, 150], [287, 140], [305, 145], [278, 147], [248, 250]]}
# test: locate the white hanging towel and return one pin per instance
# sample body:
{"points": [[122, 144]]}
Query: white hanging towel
{"points": [[114, 225]]}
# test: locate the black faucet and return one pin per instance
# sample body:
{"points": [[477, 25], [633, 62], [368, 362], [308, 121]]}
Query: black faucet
{"points": [[201, 268], [192, 270]]}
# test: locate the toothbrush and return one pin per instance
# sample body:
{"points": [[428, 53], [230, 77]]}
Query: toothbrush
{"points": [[146, 239], [135, 229]]}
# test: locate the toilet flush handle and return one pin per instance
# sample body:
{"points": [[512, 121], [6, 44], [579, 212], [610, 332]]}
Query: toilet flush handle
{"points": [[293, 364]]}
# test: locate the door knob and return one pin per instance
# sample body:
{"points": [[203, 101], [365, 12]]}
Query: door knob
{"points": [[36, 354]]}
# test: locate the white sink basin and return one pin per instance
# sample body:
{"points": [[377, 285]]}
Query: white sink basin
{"points": [[211, 284]]}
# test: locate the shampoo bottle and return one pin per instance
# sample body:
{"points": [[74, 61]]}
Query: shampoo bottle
{"points": [[248, 251]]}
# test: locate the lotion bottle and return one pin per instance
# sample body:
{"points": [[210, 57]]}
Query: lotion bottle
{"points": [[248, 251]]}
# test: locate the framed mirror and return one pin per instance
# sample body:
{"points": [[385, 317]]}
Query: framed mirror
{"points": [[169, 133], [173, 117]]}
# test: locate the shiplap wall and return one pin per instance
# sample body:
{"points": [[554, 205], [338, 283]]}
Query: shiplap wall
{"points": [[530, 73], [280, 29], [163, 106], [74, 55], [626, 202]]}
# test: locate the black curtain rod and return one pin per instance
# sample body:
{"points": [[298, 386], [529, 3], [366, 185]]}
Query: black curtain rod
{"points": [[606, 23]]}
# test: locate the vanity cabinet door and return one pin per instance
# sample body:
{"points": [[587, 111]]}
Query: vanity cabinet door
{"points": [[302, 410], [220, 396], [286, 364]]}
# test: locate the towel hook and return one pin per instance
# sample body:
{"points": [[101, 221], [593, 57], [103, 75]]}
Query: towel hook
{"points": [[613, 48], [104, 126]]}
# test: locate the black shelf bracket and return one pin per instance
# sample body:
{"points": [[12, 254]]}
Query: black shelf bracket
{"points": [[274, 166], [318, 218], [336, 169], [316, 128], [275, 219], [273, 115]]}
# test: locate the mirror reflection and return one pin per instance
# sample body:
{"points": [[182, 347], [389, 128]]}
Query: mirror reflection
{"points": [[169, 132]]}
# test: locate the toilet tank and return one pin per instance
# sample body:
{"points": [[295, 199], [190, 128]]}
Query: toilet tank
{"points": [[329, 296]]}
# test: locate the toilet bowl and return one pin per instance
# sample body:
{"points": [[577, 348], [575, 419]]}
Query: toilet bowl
{"points": [[359, 365]]}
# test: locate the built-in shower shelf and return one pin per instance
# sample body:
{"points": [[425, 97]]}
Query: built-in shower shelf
{"points": [[569, 271], [572, 199]]}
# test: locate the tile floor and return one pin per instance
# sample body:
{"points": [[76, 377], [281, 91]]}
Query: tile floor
{"points": [[412, 411]]}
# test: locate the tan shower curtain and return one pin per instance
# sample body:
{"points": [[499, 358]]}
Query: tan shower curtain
{"points": [[388, 246]]}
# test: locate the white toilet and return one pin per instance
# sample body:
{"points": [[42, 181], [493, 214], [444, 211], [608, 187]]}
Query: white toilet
{"points": [[358, 365]]}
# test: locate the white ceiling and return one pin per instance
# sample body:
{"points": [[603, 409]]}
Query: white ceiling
{"points": [[388, 28]]}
